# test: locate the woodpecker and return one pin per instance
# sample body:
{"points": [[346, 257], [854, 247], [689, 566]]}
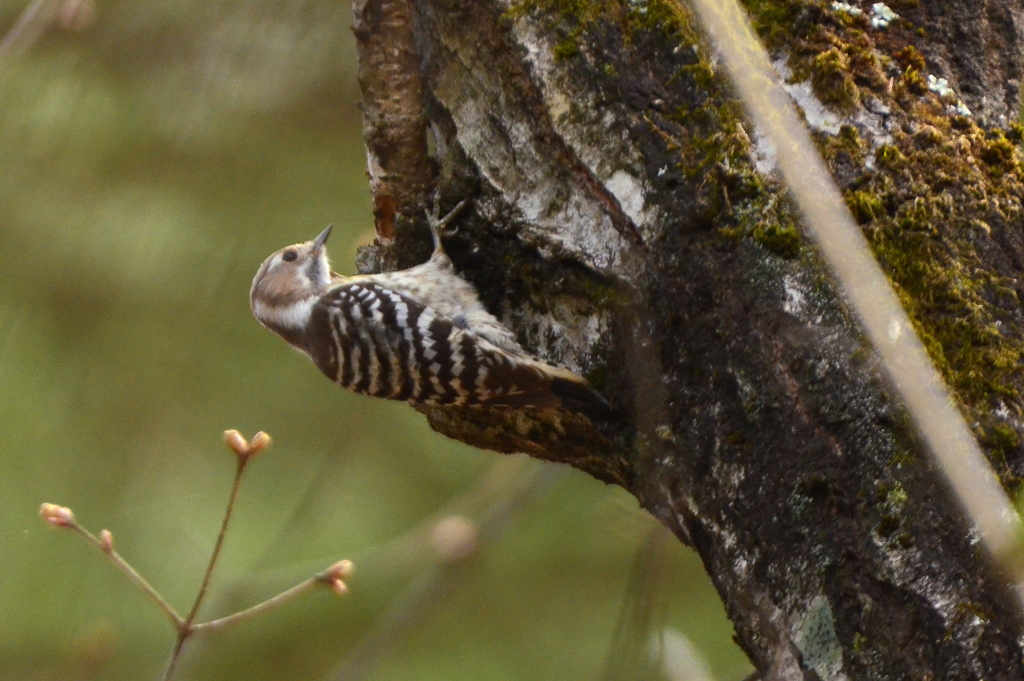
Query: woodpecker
{"points": [[420, 335]]}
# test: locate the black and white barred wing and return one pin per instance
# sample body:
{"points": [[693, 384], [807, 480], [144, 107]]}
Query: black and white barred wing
{"points": [[377, 341]]}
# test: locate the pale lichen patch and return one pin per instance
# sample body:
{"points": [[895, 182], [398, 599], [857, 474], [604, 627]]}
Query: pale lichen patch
{"points": [[630, 194], [577, 225], [817, 115], [587, 128], [816, 638], [847, 8], [763, 153], [940, 86], [795, 302], [882, 15]]}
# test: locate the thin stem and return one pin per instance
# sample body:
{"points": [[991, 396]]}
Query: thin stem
{"points": [[133, 576], [172, 661], [204, 587], [281, 598], [277, 600], [185, 628]]}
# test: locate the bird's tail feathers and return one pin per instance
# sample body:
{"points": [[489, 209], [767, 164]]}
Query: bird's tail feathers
{"points": [[578, 396], [546, 385]]}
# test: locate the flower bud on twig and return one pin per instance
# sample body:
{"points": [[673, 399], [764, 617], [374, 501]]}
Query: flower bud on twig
{"points": [[260, 441], [343, 569], [236, 442], [106, 541], [336, 575], [58, 516], [244, 449]]}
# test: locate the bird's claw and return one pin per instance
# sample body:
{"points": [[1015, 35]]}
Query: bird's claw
{"points": [[439, 224]]}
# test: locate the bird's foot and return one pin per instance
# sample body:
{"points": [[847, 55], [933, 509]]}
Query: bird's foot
{"points": [[438, 225]]}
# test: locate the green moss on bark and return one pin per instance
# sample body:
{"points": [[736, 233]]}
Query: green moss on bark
{"points": [[715, 152], [939, 209], [937, 206]]}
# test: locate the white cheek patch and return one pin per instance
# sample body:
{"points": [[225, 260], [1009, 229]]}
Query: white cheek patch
{"points": [[293, 316], [323, 271]]}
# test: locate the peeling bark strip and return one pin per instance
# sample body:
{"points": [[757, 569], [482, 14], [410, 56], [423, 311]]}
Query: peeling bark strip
{"points": [[394, 120], [756, 422]]}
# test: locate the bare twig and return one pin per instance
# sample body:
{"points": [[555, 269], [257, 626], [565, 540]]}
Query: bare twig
{"points": [[244, 451], [333, 577], [185, 629], [277, 600], [412, 550], [61, 516], [204, 587]]}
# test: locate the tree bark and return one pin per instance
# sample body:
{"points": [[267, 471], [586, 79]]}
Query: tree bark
{"points": [[626, 223]]}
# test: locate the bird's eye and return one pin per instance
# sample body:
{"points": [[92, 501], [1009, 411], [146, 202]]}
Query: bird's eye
{"points": [[290, 256]]}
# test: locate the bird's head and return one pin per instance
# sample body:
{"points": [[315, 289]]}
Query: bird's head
{"points": [[289, 282]]}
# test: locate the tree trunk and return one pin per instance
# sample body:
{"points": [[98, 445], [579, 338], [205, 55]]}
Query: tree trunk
{"points": [[626, 223]]}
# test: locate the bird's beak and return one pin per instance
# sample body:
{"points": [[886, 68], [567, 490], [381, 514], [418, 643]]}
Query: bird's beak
{"points": [[319, 242]]}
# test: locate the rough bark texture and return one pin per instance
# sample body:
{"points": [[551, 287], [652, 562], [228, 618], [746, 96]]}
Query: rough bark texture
{"points": [[625, 224], [394, 119], [977, 47]]}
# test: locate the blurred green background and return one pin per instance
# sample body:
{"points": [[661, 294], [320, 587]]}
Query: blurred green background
{"points": [[151, 155]]}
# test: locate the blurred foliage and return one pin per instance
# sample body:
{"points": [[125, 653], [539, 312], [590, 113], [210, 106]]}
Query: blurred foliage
{"points": [[150, 160]]}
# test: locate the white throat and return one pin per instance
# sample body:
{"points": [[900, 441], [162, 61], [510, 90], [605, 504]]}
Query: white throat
{"points": [[294, 316]]}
